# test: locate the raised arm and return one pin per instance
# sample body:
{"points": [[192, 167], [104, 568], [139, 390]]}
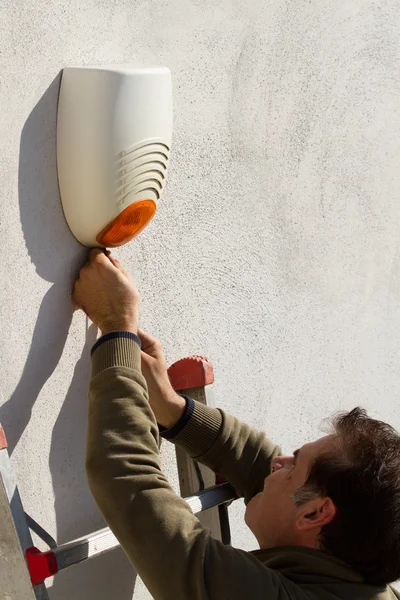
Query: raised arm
{"points": [[229, 447], [176, 558], [241, 454]]}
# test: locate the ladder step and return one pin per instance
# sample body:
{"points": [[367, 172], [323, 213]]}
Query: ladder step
{"points": [[210, 497], [99, 542]]}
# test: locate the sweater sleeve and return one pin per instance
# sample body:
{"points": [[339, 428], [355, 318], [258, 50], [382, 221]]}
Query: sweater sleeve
{"points": [[241, 454], [176, 558]]}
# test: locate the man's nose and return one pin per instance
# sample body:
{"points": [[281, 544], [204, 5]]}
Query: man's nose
{"points": [[276, 464], [280, 461]]}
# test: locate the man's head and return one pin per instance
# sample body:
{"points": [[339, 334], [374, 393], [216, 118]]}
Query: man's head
{"points": [[340, 494]]}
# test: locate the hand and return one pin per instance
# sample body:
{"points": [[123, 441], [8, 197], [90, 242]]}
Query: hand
{"points": [[167, 405], [106, 293]]}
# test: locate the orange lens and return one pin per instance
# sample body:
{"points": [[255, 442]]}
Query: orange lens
{"points": [[128, 224]]}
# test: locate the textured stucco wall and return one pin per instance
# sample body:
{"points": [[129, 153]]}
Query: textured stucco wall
{"points": [[275, 249]]}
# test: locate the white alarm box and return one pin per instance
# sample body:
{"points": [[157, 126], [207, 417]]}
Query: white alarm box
{"points": [[114, 130]]}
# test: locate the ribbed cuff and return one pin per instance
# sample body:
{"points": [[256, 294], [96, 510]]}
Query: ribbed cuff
{"points": [[116, 351], [173, 431], [201, 430], [116, 334]]}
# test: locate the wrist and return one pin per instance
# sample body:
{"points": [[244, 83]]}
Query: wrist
{"points": [[169, 409], [130, 326]]}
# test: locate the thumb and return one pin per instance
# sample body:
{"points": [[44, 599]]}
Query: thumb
{"points": [[99, 256], [152, 346], [147, 339]]}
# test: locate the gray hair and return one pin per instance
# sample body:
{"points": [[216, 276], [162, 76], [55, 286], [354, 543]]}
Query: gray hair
{"points": [[305, 493]]}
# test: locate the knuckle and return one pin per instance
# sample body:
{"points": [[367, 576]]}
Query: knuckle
{"points": [[98, 256], [95, 252], [87, 269], [76, 300]]}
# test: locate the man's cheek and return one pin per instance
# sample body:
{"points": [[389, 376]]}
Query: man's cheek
{"points": [[253, 502], [251, 508], [272, 496]]}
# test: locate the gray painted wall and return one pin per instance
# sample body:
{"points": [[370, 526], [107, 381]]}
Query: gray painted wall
{"points": [[275, 249]]}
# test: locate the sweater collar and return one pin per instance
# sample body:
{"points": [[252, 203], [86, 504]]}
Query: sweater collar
{"points": [[303, 565]]}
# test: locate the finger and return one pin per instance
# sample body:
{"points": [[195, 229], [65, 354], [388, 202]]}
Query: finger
{"points": [[95, 252], [98, 256], [76, 296], [84, 271], [145, 359], [85, 266], [114, 261], [117, 264], [77, 303], [147, 339]]}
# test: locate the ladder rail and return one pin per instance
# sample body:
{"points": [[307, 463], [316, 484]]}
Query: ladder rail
{"points": [[46, 564], [15, 537], [99, 542]]}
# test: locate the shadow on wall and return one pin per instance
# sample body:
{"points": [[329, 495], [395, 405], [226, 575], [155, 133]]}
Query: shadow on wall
{"points": [[54, 252], [57, 257]]}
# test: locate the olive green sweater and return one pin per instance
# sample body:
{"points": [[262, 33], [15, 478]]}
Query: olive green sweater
{"points": [[176, 558]]}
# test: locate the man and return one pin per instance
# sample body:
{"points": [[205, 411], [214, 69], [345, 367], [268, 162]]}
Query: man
{"points": [[327, 519]]}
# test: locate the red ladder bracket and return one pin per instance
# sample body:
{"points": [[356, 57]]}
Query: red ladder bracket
{"points": [[191, 372], [3, 439], [41, 565]]}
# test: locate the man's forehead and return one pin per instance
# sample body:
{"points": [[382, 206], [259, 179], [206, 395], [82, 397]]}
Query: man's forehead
{"points": [[312, 450]]}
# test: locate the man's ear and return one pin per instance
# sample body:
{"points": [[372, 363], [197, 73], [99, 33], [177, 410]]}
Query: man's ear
{"points": [[315, 513]]}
